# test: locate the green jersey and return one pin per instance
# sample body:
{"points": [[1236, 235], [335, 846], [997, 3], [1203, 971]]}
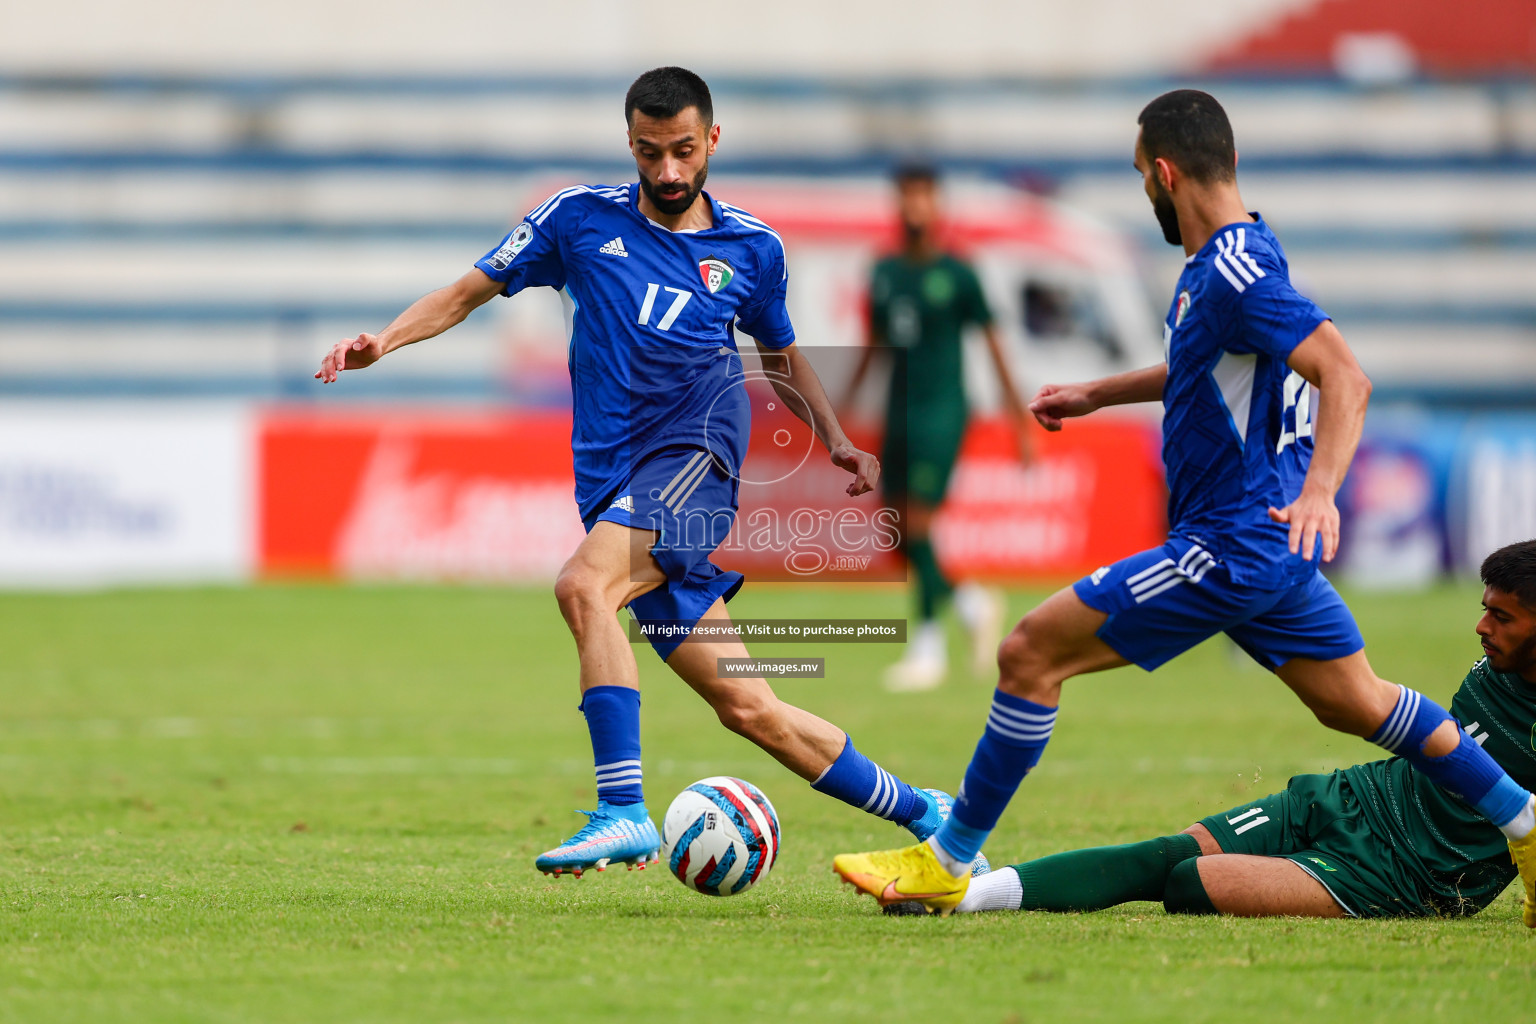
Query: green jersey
{"points": [[923, 309], [1458, 857]]}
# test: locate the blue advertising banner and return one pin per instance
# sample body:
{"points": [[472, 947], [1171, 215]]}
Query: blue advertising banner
{"points": [[1431, 494]]}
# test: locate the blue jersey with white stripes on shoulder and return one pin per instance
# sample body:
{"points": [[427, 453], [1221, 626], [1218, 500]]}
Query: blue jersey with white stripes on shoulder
{"points": [[652, 355], [1237, 423]]}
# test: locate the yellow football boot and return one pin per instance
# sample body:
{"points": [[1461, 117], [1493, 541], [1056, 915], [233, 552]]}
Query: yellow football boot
{"points": [[1523, 853], [910, 875]]}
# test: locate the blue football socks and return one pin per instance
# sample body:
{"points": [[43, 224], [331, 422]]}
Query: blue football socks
{"points": [[855, 779], [1467, 771], [1016, 734], [613, 719]]}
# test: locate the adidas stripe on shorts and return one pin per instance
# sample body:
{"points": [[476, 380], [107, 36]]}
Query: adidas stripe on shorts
{"points": [[688, 497], [1163, 601]]}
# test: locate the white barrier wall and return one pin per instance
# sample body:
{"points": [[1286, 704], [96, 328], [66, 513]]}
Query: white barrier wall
{"points": [[101, 494], [981, 37]]}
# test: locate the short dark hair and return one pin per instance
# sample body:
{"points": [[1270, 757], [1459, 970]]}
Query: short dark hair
{"points": [[1512, 569], [915, 172], [667, 92], [1189, 127]]}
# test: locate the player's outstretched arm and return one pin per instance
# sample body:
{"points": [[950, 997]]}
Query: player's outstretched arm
{"points": [[1057, 402], [427, 317], [800, 389], [1325, 361]]}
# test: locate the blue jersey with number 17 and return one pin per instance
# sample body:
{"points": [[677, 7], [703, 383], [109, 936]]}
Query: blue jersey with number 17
{"points": [[1237, 421], [652, 355]]}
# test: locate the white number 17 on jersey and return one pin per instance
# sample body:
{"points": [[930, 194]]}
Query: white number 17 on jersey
{"points": [[681, 299]]}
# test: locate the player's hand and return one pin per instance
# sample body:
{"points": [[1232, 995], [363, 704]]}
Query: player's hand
{"points": [[1311, 516], [864, 467], [351, 354], [1056, 402]]}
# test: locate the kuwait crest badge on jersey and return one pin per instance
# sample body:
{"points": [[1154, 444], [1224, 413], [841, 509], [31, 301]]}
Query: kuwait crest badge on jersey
{"points": [[1183, 307], [716, 272]]}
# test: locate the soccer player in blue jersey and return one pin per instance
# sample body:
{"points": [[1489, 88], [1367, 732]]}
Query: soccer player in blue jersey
{"points": [[656, 275], [1263, 407]]}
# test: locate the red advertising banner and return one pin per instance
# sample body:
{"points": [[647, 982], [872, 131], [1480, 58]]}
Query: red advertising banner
{"points": [[1093, 494], [449, 496], [489, 496]]}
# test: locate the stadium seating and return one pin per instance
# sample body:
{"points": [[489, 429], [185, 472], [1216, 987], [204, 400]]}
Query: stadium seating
{"points": [[210, 235]]}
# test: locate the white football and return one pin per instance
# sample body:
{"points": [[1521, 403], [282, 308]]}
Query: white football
{"points": [[720, 836]]}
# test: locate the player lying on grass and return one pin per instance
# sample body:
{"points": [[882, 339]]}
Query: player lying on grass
{"points": [[1376, 840], [1251, 503], [656, 274]]}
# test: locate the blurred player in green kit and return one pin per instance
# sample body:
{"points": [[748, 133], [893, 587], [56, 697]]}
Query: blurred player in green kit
{"points": [[921, 300]]}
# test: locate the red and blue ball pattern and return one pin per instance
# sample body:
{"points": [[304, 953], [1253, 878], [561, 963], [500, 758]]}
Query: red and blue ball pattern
{"points": [[720, 836]]}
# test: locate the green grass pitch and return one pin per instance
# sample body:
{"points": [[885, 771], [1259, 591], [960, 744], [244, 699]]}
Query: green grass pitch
{"points": [[323, 804]]}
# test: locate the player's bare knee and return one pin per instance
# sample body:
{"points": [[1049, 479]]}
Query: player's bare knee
{"points": [[1208, 845], [570, 586], [1344, 716], [1024, 668], [1014, 655], [581, 595]]}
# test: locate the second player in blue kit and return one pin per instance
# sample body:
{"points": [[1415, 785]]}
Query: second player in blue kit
{"points": [[1253, 463], [1234, 321], [657, 276]]}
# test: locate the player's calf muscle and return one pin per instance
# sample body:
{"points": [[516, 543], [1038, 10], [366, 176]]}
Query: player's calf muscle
{"points": [[1343, 694], [749, 708], [796, 739]]}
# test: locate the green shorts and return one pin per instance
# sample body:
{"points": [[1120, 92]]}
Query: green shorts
{"points": [[920, 452], [1317, 822]]}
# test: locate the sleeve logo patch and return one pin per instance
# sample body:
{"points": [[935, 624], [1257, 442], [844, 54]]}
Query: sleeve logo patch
{"points": [[716, 272], [516, 242]]}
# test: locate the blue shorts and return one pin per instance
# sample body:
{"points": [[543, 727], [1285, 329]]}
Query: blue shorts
{"points": [[1166, 600], [687, 496]]}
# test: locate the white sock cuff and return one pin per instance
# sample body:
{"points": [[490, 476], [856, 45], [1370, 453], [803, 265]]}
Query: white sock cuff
{"points": [[950, 863], [1522, 824], [999, 890]]}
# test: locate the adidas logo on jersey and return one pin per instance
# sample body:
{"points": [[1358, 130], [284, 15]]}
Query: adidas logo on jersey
{"points": [[614, 248]]}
